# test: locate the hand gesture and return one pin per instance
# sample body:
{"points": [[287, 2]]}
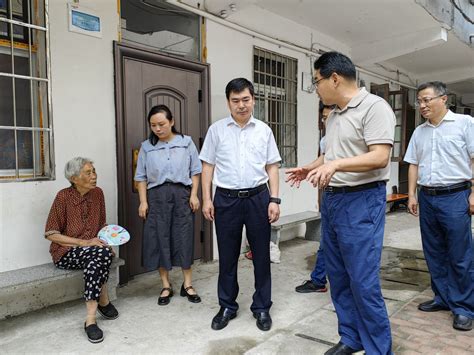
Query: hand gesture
{"points": [[94, 242], [143, 210], [208, 210], [294, 176], [273, 212], [321, 176], [413, 205], [194, 203]]}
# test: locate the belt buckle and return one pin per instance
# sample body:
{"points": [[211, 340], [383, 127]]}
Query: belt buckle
{"points": [[243, 194], [328, 189]]}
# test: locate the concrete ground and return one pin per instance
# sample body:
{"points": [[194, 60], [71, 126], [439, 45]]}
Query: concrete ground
{"points": [[302, 323]]}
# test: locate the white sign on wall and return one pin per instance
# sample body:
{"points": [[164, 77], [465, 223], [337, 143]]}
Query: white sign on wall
{"points": [[84, 21]]}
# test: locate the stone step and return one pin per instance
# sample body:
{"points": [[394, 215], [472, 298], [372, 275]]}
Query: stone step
{"points": [[32, 288]]}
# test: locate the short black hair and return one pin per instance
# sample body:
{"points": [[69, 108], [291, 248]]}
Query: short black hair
{"points": [[438, 87], [335, 62], [238, 85]]}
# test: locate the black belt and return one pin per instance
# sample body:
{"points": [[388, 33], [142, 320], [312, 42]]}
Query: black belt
{"points": [[341, 189], [444, 190], [244, 193]]}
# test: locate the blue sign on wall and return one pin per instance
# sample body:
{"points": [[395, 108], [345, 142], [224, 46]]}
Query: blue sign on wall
{"points": [[85, 21]]}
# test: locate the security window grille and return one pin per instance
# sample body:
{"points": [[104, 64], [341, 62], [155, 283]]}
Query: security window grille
{"points": [[275, 80], [25, 119]]}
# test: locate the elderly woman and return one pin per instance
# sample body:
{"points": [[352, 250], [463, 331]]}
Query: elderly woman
{"points": [[75, 218]]}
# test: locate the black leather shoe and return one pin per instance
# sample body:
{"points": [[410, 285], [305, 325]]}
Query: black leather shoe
{"points": [[461, 322], [222, 318], [310, 286], [94, 333], [340, 349], [264, 321], [431, 306], [191, 298], [164, 300]]}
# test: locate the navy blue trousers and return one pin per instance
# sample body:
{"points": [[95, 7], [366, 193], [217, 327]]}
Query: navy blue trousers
{"points": [[318, 276], [231, 214], [352, 233], [447, 244]]}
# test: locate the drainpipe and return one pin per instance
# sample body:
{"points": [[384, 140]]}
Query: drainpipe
{"points": [[240, 28]]}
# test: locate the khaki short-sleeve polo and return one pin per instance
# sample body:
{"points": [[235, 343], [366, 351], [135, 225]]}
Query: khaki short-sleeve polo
{"points": [[366, 120]]}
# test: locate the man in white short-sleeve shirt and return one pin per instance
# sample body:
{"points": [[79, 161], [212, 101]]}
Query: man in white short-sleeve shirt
{"points": [[241, 158], [440, 154]]}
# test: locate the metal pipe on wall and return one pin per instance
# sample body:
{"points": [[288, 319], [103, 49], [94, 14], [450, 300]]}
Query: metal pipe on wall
{"points": [[267, 38]]}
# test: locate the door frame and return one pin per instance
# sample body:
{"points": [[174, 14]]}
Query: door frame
{"points": [[126, 51]]}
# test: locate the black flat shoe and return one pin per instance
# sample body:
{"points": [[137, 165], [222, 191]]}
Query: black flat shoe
{"points": [[340, 349], [94, 333], [431, 306], [108, 312], [191, 298], [461, 322], [222, 318], [264, 321], [164, 300]]}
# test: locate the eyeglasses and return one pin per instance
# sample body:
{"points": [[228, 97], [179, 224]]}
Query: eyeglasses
{"points": [[316, 82], [425, 100]]}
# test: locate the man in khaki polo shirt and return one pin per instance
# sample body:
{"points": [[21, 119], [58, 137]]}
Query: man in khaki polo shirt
{"points": [[353, 174]]}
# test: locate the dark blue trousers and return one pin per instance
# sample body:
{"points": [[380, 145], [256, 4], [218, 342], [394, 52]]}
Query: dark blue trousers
{"points": [[352, 233], [447, 244], [318, 276], [231, 214]]}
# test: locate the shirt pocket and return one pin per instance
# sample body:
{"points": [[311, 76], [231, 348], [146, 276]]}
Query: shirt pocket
{"points": [[451, 144], [257, 151]]}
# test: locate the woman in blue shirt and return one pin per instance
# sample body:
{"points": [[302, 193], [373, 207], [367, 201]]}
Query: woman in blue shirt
{"points": [[167, 173]]}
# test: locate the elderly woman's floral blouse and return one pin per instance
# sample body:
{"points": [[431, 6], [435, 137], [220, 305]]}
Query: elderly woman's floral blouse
{"points": [[75, 216]]}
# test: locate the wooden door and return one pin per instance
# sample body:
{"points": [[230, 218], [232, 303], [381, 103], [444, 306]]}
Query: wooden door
{"points": [[144, 79]]}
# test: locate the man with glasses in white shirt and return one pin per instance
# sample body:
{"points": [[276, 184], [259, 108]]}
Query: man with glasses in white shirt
{"points": [[441, 154], [241, 158]]}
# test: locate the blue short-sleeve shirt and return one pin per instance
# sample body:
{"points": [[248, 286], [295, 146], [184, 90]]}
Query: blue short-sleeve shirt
{"points": [[174, 161]]}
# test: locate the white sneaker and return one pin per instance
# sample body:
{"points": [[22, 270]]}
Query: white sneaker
{"points": [[274, 253]]}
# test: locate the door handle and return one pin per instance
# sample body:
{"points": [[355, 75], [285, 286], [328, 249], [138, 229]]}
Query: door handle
{"points": [[134, 169]]}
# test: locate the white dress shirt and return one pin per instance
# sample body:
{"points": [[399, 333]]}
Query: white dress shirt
{"points": [[322, 145], [239, 154], [443, 153]]}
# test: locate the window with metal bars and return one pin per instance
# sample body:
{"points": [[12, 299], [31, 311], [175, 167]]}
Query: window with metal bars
{"points": [[25, 115], [275, 81]]}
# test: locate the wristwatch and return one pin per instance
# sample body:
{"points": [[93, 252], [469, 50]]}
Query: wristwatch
{"points": [[275, 200]]}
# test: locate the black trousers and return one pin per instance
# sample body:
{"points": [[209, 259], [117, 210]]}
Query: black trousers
{"points": [[231, 214]]}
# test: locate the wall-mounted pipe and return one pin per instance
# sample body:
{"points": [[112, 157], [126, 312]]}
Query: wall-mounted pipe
{"points": [[270, 39]]}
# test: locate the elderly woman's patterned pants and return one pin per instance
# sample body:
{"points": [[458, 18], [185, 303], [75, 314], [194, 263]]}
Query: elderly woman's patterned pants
{"points": [[95, 261]]}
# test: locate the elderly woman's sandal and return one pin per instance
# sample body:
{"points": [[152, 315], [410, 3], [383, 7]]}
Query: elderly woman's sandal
{"points": [[94, 333], [164, 300], [108, 312]]}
